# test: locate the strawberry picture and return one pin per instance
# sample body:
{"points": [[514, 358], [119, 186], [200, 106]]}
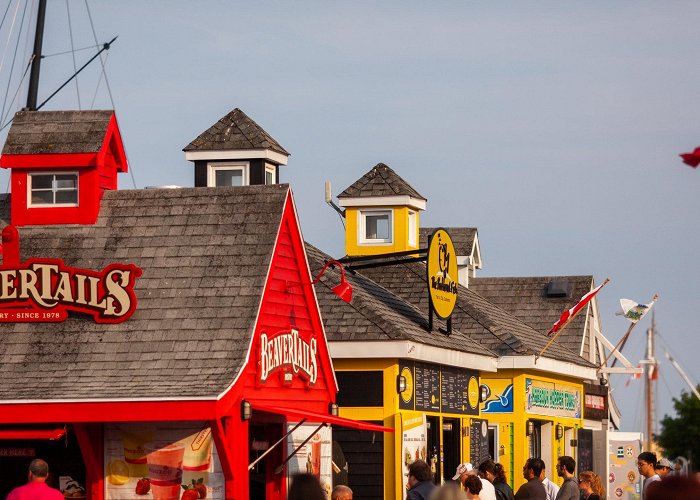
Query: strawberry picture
{"points": [[190, 495], [194, 491], [143, 486]]}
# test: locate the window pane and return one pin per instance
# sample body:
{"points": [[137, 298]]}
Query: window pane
{"points": [[377, 227], [41, 181], [42, 197], [269, 177], [229, 178], [66, 182], [66, 196]]}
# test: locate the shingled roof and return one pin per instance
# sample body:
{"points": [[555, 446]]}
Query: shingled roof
{"points": [[235, 131], [462, 238], [380, 181], [484, 322], [526, 299], [376, 314], [57, 132], [205, 256]]}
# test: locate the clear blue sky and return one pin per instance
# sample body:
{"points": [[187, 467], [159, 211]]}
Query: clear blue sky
{"points": [[552, 127]]}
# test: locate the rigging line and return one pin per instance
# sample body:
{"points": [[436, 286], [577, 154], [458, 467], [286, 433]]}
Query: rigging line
{"points": [[99, 81], [29, 50], [9, 35], [44, 56], [72, 47], [102, 62], [5, 14], [14, 59], [19, 87]]}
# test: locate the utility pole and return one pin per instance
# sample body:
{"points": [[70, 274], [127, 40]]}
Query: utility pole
{"points": [[651, 372], [36, 57]]}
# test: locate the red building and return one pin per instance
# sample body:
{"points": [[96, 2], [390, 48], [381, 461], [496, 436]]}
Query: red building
{"points": [[171, 335]]}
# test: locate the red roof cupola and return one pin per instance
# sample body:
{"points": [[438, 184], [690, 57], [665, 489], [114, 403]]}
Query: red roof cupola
{"points": [[62, 162]]}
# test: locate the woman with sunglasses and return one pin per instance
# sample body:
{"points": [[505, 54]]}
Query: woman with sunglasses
{"points": [[590, 486]]}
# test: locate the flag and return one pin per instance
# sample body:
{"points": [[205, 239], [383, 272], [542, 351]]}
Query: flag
{"points": [[632, 310], [567, 315], [654, 372], [691, 159], [634, 376]]}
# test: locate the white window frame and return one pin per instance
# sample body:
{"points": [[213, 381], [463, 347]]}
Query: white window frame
{"points": [[362, 227], [30, 175], [212, 168], [273, 171], [412, 228], [496, 441]]}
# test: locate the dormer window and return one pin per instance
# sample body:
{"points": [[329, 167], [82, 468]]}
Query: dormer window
{"points": [[376, 226], [228, 174], [51, 190], [269, 174]]}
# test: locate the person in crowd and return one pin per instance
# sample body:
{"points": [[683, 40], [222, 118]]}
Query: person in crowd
{"points": [[306, 487], [473, 486], [36, 487], [646, 463], [675, 486], [663, 468], [488, 492], [496, 474], [550, 487], [569, 489], [533, 489], [341, 492], [448, 491], [590, 485], [420, 481]]}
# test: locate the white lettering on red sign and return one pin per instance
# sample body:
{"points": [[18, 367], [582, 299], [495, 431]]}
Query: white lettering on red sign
{"points": [[595, 402], [287, 349]]}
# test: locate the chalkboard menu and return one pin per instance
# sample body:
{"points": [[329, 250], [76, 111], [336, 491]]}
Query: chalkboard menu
{"points": [[427, 387], [454, 392], [478, 441]]}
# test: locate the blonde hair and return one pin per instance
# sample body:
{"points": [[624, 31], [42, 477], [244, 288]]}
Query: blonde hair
{"points": [[449, 491], [594, 480]]}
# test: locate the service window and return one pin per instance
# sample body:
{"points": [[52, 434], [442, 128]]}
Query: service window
{"points": [[53, 189], [227, 175], [376, 226]]}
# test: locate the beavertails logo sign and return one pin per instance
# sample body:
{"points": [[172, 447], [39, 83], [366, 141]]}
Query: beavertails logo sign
{"points": [[45, 290], [288, 352], [442, 273]]}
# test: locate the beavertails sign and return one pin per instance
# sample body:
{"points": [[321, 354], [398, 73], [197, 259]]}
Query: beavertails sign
{"points": [[45, 290]]}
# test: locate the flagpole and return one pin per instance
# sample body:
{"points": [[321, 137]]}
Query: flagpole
{"points": [[621, 344], [566, 323]]}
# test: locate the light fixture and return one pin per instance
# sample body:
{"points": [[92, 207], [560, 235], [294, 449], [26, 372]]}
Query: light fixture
{"points": [[484, 392], [559, 431], [344, 290], [333, 409], [246, 410], [529, 428], [400, 383]]}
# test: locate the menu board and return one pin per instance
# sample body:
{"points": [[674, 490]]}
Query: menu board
{"points": [[427, 387], [478, 441], [455, 391]]}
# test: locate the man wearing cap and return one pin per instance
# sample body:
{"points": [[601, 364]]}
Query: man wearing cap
{"points": [[36, 488], [488, 492], [663, 468]]}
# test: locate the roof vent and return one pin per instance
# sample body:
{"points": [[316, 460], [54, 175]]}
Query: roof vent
{"points": [[557, 288]]}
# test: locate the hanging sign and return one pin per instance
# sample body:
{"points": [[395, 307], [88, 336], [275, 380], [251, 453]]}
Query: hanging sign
{"points": [[442, 273], [287, 351]]}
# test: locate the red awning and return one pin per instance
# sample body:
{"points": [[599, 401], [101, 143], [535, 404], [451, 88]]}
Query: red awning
{"points": [[33, 433], [310, 416]]}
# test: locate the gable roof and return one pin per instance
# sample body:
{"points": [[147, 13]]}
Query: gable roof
{"points": [[57, 132], [381, 180], [376, 314], [485, 323], [235, 131], [205, 256], [526, 299], [462, 238]]}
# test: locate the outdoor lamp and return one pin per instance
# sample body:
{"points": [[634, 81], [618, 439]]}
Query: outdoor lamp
{"points": [[559, 431], [529, 428], [484, 392], [333, 409], [246, 410], [344, 290], [400, 384]]}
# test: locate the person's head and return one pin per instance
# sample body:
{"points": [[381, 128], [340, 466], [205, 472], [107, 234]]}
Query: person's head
{"points": [[341, 492], [543, 472], [38, 470], [306, 487], [492, 471], [464, 470], [589, 482], [663, 467], [418, 472], [566, 466], [448, 491], [532, 468], [472, 484], [646, 461]]}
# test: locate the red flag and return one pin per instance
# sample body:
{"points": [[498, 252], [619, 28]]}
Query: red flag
{"points": [[567, 315], [634, 376], [692, 159]]}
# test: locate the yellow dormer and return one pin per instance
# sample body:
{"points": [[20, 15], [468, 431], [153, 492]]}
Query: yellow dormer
{"points": [[381, 214]]}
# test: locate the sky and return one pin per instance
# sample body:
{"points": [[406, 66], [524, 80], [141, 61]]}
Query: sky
{"points": [[553, 127]]}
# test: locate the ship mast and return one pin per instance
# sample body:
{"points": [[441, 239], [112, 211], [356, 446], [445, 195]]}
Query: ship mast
{"points": [[651, 375], [36, 57]]}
